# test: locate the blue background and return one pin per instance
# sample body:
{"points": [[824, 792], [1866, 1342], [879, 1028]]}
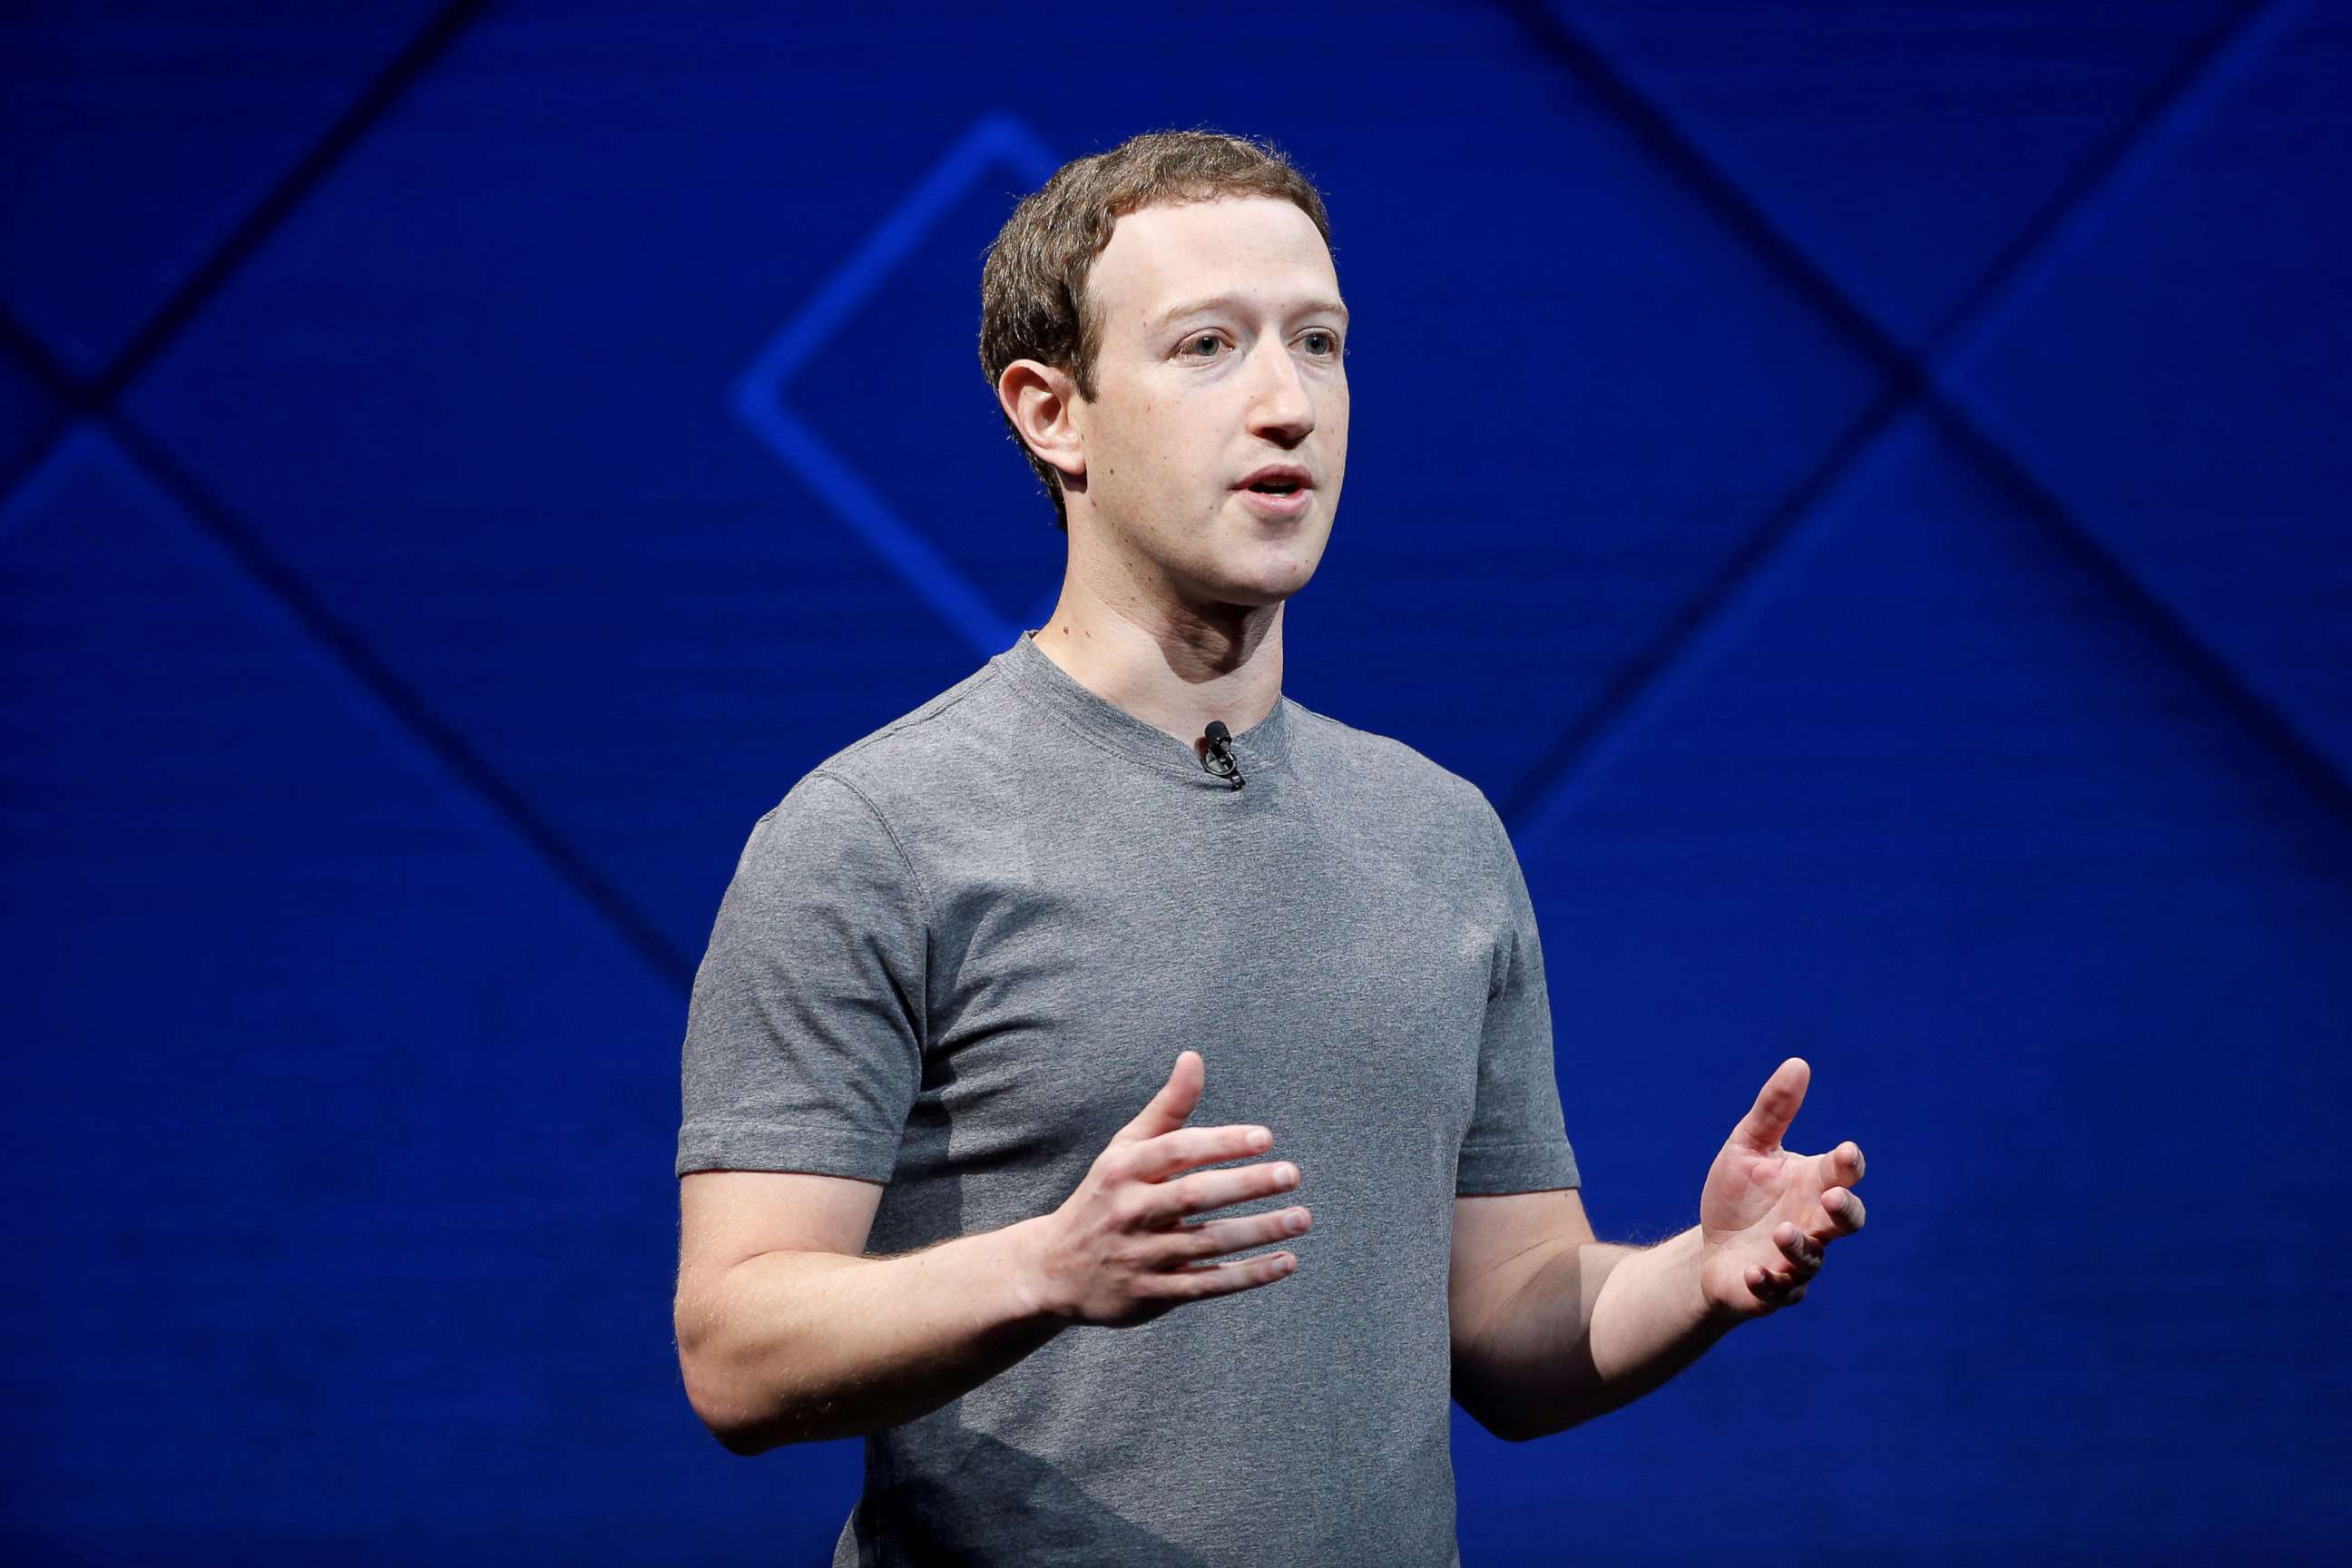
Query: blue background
{"points": [[1861, 486]]}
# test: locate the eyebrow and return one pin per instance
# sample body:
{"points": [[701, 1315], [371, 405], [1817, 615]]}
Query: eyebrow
{"points": [[1226, 301]]}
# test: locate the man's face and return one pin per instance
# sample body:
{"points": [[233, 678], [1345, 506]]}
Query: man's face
{"points": [[1222, 332]]}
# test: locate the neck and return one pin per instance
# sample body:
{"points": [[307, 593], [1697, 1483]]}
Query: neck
{"points": [[1174, 665]]}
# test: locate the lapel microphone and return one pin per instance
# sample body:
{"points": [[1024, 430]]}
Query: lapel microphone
{"points": [[1220, 760]]}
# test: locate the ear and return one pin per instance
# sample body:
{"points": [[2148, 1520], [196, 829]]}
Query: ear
{"points": [[1038, 399]]}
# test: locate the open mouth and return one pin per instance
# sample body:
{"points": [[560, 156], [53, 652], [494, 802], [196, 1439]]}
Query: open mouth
{"points": [[1275, 487]]}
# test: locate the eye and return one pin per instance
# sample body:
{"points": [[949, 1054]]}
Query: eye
{"points": [[1330, 341], [1195, 341]]}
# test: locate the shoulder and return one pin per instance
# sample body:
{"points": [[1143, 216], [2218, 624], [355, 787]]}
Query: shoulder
{"points": [[899, 780], [1404, 806], [943, 735], [1385, 768], [943, 724], [844, 826]]}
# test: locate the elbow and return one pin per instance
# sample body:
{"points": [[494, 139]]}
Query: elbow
{"points": [[1505, 1427], [715, 1391], [709, 1410], [1504, 1412], [1509, 1434], [1514, 1426], [719, 1405], [738, 1441], [728, 1427], [1529, 1431], [1496, 1418]]}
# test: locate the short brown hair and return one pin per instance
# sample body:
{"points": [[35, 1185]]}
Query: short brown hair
{"points": [[1033, 287]]}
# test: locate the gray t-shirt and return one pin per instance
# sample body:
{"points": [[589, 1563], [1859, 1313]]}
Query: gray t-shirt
{"points": [[964, 950]]}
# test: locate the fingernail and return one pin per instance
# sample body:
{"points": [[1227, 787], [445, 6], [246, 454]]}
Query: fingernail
{"points": [[1288, 1175], [1261, 1139]]}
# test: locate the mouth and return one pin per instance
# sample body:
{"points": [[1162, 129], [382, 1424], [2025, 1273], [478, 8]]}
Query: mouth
{"points": [[1278, 480], [1277, 491]]}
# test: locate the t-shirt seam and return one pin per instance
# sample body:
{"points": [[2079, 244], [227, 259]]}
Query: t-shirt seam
{"points": [[1500, 855], [1097, 742], [1280, 764], [938, 706], [922, 894], [766, 1124]]}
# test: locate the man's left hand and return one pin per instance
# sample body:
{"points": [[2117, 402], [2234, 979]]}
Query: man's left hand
{"points": [[1765, 1215]]}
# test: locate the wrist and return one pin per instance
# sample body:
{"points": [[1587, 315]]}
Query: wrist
{"points": [[1037, 1297], [1717, 1317]]}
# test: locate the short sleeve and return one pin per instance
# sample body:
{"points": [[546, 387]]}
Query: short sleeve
{"points": [[1517, 1140], [806, 1028]]}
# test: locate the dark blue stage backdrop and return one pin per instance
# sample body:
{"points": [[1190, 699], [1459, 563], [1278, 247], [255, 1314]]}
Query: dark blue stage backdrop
{"points": [[1861, 486]]}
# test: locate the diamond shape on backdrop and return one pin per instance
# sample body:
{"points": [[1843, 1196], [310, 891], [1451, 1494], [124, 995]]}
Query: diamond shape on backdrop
{"points": [[136, 143], [859, 497], [466, 394], [2176, 376], [1581, 396], [327, 1097], [1944, 820], [1902, 147], [1577, 393]]}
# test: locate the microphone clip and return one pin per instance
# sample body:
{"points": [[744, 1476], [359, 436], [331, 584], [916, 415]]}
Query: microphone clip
{"points": [[1220, 760]]}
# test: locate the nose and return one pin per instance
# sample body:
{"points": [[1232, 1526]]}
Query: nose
{"points": [[1281, 409]]}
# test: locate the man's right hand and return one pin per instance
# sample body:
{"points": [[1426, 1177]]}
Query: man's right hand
{"points": [[1121, 1251]]}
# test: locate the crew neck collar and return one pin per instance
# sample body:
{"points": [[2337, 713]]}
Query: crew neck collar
{"points": [[1034, 673]]}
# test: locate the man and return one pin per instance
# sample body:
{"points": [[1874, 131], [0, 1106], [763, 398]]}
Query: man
{"points": [[1043, 1011]]}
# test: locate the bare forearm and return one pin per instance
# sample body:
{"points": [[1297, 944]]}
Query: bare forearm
{"points": [[1595, 1329], [803, 1346]]}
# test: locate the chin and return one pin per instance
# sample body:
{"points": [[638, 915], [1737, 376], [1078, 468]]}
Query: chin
{"points": [[1271, 586]]}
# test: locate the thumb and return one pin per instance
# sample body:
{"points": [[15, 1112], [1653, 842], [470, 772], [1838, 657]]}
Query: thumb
{"points": [[1775, 1106], [1173, 1103]]}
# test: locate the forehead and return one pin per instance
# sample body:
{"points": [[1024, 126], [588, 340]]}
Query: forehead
{"points": [[1257, 250]]}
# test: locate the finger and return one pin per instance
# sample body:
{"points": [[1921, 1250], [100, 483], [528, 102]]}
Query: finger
{"points": [[1845, 1209], [1171, 1105], [1776, 1106], [1840, 1167], [1214, 1189], [1803, 1252], [1190, 1243], [1773, 1290], [1155, 1159], [1189, 1284]]}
